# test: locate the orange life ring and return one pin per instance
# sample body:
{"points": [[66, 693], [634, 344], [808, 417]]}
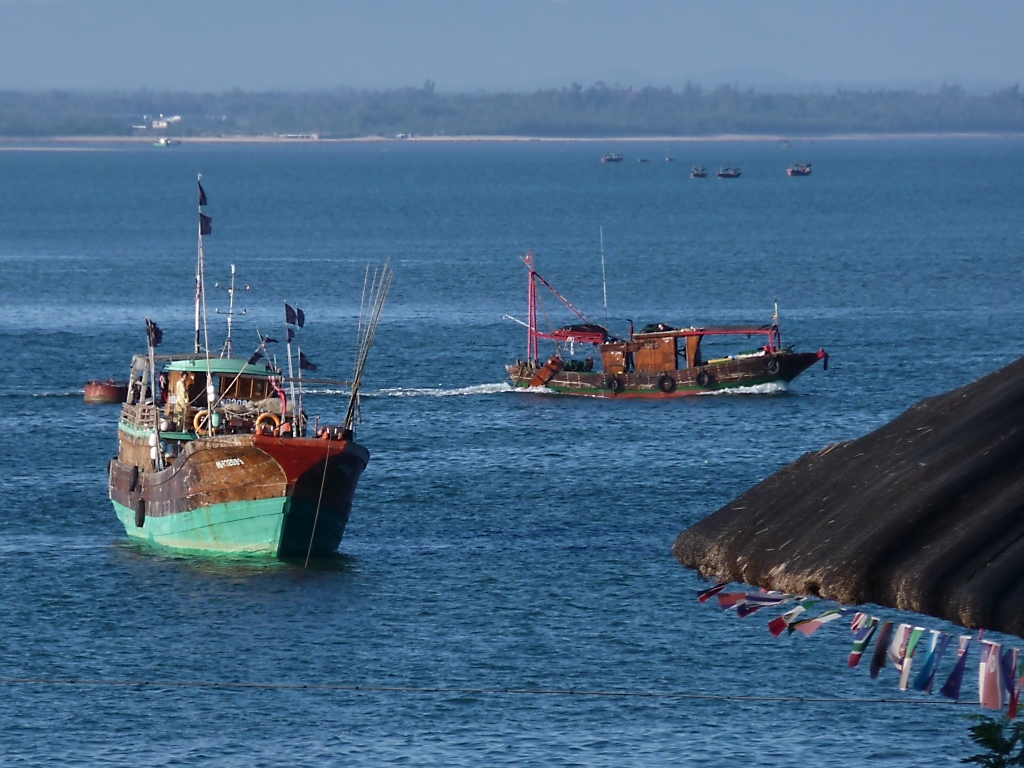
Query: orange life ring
{"points": [[264, 418], [197, 423]]}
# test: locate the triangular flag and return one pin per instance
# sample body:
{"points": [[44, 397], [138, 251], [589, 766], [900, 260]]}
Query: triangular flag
{"points": [[706, 594], [951, 688], [908, 658], [936, 650], [202, 194], [289, 314], [809, 626], [727, 600], [778, 625], [898, 647], [1007, 669], [205, 224], [878, 659], [862, 640], [990, 689]]}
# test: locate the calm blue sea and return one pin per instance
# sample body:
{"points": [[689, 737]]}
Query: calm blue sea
{"points": [[499, 540]]}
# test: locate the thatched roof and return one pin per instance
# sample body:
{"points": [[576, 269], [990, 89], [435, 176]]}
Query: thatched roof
{"points": [[924, 514]]}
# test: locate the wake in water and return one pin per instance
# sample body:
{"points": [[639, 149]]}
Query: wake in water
{"points": [[72, 393], [479, 389], [771, 388]]}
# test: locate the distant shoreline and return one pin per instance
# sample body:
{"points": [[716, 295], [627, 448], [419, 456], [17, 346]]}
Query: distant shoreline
{"points": [[67, 142]]}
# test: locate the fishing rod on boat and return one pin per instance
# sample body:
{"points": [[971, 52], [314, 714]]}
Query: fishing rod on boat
{"points": [[377, 295]]}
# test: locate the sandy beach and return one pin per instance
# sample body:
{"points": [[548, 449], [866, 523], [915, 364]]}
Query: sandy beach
{"points": [[72, 143]]}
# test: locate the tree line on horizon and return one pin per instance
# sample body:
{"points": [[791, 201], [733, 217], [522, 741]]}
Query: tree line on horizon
{"points": [[573, 111]]}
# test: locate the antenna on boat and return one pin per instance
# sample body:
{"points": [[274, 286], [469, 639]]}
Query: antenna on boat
{"points": [[604, 282], [378, 293], [227, 350]]}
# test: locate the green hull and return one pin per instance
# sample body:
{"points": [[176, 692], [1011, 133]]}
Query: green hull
{"points": [[237, 527]]}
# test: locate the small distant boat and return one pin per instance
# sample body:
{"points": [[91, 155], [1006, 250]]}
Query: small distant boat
{"points": [[670, 159], [642, 160], [698, 172], [109, 391], [164, 141], [729, 173], [611, 157], [799, 169]]}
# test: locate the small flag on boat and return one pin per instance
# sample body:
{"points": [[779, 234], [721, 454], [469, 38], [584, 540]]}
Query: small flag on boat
{"points": [[202, 194], [706, 594], [291, 335], [300, 317], [304, 363], [289, 315], [205, 224], [255, 358], [153, 333]]}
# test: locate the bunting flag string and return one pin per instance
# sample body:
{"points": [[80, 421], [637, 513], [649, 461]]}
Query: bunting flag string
{"points": [[915, 653]]}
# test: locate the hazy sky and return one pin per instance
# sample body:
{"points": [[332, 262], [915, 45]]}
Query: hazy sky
{"points": [[214, 45]]}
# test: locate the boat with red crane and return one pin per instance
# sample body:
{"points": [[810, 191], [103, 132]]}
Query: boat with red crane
{"points": [[659, 361]]}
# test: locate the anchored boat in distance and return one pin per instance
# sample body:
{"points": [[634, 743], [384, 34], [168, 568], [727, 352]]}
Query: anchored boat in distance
{"points": [[658, 362]]}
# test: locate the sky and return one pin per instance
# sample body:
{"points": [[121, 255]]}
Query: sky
{"points": [[470, 45]]}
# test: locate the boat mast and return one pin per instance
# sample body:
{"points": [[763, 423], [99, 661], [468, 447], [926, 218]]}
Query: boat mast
{"points": [[532, 344], [199, 260], [604, 282], [228, 350]]}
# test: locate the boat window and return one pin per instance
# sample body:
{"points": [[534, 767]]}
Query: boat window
{"points": [[243, 388]]}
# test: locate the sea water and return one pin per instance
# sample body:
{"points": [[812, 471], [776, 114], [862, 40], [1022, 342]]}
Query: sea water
{"points": [[500, 540]]}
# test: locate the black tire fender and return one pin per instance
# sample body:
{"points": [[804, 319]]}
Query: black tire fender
{"points": [[666, 383], [615, 385], [773, 366], [703, 379], [133, 479]]}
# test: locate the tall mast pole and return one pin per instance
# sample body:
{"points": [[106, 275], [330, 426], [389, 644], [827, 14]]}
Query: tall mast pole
{"points": [[231, 309], [532, 345], [199, 261], [604, 282]]}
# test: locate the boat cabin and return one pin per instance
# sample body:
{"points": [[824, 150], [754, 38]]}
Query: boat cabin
{"points": [[660, 348], [241, 394]]}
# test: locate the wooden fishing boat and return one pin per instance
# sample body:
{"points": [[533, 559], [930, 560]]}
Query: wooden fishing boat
{"points": [[611, 157], [109, 391], [799, 169], [698, 172], [729, 173], [215, 457], [660, 361]]}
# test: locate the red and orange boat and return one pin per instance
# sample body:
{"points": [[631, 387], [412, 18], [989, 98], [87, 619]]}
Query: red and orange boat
{"points": [[658, 362], [109, 391]]}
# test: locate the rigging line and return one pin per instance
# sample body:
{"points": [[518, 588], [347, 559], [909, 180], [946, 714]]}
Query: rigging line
{"points": [[316, 517], [478, 691]]}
